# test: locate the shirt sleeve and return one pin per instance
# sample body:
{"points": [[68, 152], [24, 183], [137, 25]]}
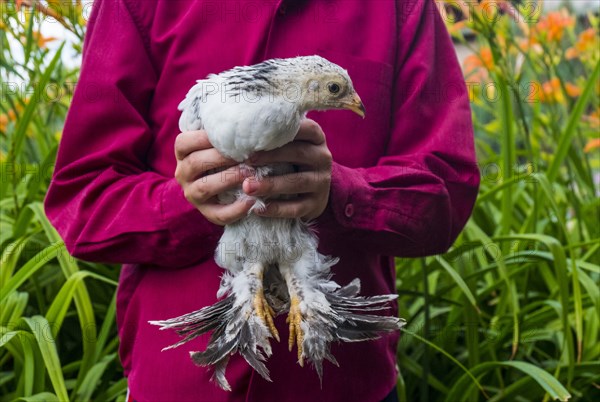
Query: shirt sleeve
{"points": [[418, 197], [104, 200]]}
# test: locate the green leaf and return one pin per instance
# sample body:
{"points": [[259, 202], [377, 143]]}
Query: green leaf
{"points": [[83, 303], [13, 308], [442, 351], [57, 311], [458, 280], [109, 321], [34, 264], [34, 185], [25, 119], [10, 256], [6, 337], [574, 119], [550, 384], [27, 358], [29, 37], [88, 385], [45, 341], [41, 397], [494, 250], [119, 388], [560, 268]]}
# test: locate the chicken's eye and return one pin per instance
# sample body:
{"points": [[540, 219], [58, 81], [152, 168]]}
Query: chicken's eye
{"points": [[333, 87]]}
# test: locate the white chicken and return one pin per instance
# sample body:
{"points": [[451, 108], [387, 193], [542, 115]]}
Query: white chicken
{"points": [[272, 264]]}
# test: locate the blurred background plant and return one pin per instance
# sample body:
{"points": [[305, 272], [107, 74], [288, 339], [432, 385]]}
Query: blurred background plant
{"points": [[511, 312], [57, 317]]}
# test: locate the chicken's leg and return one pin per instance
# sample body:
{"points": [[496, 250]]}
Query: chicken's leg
{"points": [[322, 311], [307, 308], [294, 320], [261, 307]]}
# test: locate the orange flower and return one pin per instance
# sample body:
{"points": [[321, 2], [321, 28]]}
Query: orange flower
{"points": [[455, 29], [487, 57], [571, 53], [591, 145], [593, 119], [552, 26], [551, 92], [586, 39], [586, 42], [572, 90], [41, 40], [475, 66], [7, 118], [3, 123], [529, 44]]}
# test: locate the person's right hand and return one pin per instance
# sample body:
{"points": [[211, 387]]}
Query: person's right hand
{"points": [[196, 157]]}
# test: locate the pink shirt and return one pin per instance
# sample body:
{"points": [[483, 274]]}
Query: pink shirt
{"points": [[404, 178]]}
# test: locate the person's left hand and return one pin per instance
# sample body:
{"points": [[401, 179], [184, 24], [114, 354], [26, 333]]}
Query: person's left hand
{"points": [[311, 182]]}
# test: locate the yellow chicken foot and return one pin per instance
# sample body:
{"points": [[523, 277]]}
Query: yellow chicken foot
{"points": [[296, 335], [265, 312]]}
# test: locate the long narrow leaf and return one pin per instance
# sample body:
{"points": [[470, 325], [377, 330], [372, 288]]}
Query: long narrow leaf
{"points": [[550, 384], [25, 119], [35, 263], [57, 311], [45, 341], [567, 136], [442, 351], [83, 303], [459, 281]]}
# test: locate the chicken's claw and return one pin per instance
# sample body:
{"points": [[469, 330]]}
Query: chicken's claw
{"points": [[265, 312], [296, 335]]}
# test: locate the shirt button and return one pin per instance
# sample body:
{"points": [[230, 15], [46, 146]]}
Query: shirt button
{"points": [[349, 210]]}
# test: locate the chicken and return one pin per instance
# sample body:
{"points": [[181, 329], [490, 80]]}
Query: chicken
{"points": [[272, 264]]}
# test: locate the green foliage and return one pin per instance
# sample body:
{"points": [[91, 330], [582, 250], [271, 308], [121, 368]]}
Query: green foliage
{"points": [[57, 321], [511, 312], [523, 321]]}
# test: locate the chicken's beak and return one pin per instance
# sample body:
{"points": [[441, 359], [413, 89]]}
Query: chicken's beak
{"points": [[356, 105]]}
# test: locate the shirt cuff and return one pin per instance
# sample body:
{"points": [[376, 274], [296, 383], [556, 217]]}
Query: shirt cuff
{"points": [[348, 191]]}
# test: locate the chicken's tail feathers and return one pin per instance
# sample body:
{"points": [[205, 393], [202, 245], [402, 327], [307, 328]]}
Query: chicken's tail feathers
{"points": [[196, 323], [234, 329], [357, 320], [226, 342], [347, 318]]}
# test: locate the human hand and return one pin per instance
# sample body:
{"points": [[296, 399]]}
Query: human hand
{"points": [[196, 158], [312, 182]]}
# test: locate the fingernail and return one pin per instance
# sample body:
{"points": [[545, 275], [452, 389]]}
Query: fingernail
{"points": [[251, 187]]}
